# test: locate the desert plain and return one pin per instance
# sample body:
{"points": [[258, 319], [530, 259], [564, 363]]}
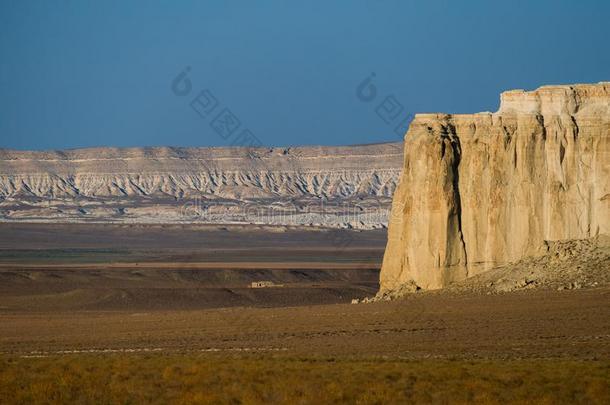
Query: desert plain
{"points": [[131, 313]]}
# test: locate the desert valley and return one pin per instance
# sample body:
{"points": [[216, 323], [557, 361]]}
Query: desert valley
{"points": [[470, 263]]}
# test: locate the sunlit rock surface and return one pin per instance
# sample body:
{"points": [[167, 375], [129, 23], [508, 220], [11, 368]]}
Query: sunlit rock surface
{"points": [[481, 190]]}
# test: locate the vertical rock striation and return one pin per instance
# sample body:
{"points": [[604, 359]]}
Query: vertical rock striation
{"points": [[480, 190], [337, 186]]}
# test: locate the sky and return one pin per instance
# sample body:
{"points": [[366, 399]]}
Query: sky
{"points": [[79, 74]]}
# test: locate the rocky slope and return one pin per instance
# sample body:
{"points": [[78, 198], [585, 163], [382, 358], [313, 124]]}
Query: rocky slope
{"points": [[483, 190], [565, 265], [333, 186]]}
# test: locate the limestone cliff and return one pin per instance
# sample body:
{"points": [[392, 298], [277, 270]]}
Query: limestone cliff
{"points": [[481, 190]]}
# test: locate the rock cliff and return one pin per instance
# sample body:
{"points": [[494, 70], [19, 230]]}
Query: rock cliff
{"points": [[333, 186], [482, 190]]}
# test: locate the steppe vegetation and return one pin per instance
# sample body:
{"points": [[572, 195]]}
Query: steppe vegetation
{"points": [[252, 379]]}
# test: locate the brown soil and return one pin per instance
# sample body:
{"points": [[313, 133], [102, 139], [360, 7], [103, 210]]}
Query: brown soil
{"points": [[170, 267], [572, 324], [105, 307]]}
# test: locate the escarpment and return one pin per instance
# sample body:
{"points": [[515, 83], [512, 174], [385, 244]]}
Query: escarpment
{"points": [[482, 190], [333, 186]]}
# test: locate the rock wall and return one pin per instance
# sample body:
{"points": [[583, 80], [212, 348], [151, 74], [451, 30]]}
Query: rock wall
{"points": [[481, 190], [216, 185]]}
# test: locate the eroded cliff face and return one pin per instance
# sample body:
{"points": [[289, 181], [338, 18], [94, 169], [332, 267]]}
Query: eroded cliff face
{"points": [[487, 189], [332, 186]]}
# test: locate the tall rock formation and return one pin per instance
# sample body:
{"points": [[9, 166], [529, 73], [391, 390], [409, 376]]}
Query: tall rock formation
{"points": [[481, 190]]}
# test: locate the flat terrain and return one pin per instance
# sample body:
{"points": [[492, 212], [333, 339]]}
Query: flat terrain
{"points": [[95, 287], [523, 347], [174, 267], [107, 314], [538, 324], [253, 379]]}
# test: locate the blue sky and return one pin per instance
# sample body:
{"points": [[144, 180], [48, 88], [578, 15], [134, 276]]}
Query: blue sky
{"points": [[83, 73]]}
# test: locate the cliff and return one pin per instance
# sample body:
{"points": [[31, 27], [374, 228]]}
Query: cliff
{"points": [[482, 190], [303, 185]]}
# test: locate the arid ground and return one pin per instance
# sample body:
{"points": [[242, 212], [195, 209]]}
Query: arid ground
{"points": [[107, 314]]}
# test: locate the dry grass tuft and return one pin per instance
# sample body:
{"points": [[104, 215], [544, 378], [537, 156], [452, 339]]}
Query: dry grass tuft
{"points": [[224, 379]]}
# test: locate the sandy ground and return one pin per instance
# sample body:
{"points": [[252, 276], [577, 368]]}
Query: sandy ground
{"points": [[533, 324], [81, 290]]}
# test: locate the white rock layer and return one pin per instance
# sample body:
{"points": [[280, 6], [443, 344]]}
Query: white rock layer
{"points": [[225, 184]]}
